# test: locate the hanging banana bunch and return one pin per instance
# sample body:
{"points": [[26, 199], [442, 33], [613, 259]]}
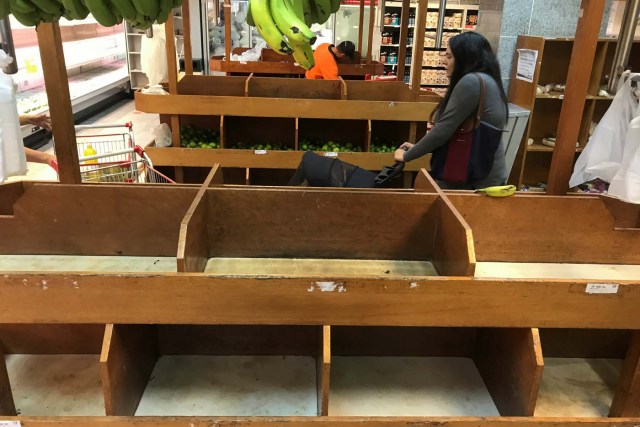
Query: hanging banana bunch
{"points": [[140, 13], [284, 25]]}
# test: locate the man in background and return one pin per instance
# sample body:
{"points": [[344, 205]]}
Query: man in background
{"points": [[326, 60]]}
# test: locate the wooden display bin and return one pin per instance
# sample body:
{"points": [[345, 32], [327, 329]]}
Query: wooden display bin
{"points": [[220, 236], [386, 371], [207, 370], [389, 133], [51, 227], [271, 87], [321, 132], [277, 133], [50, 370]]}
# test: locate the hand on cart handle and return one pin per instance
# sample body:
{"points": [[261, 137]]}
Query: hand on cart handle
{"points": [[399, 154]]}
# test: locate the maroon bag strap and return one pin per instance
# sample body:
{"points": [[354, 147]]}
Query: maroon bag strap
{"points": [[481, 100]]}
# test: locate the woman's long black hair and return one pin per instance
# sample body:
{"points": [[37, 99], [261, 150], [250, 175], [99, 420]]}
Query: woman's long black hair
{"points": [[473, 54]]}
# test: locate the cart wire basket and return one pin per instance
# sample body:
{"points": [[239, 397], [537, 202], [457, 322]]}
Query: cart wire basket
{"points": [[108, 154]]}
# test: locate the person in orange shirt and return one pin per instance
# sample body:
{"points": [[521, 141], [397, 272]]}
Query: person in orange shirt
{"points": [[326, 56]]}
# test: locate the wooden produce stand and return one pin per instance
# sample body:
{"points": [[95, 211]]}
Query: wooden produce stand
{"points": [[274, 65], [326, 274], [211, 284], [258, 109]]}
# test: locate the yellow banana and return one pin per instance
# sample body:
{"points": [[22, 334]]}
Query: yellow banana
{"points": [[101, 10], [498, 191], [303, 54], [289, 24], [267, 27]]}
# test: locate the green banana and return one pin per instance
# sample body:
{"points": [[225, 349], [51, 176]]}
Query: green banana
{"points": [[5, 8], [166, 6], [30, 19], [306, 13], [298, 8], [148, 8], [177, 3], [125, 8], [75, 9], [21, 6], [303, 54], [289, 24], [267, 28], [498, 191], [322, 9], [250, 20], [101, 11], [335, 6], [49, 6]]}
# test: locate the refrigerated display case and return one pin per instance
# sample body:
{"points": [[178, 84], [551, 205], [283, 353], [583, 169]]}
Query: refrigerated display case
{"points": [[96, 63]]}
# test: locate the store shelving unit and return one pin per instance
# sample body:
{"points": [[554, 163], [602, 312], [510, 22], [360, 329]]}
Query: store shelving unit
{"points": [[465, 17], [534, 160]]}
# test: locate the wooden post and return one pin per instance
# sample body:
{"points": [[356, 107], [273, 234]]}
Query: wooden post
{"points": [[172, 66], [360, 27], [372, 16], [418, 49], [227, 30], [582, 56], [57, 87], [404, 33], [186, 29], [7, 406]]}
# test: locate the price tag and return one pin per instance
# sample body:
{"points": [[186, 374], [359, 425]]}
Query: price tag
{"points": [[561, 97], [10, 424], [331, 154], [260, 152], [602, 288]]}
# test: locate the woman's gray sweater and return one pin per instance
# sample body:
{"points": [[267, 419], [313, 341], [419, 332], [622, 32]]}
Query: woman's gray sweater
{"points": [[462, 105]]}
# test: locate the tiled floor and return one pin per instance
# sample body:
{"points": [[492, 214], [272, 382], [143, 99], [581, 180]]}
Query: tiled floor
{"points": [[120, 113]]}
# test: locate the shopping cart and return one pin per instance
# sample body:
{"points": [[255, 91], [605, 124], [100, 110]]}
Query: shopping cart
{"points": [[114, 157]]}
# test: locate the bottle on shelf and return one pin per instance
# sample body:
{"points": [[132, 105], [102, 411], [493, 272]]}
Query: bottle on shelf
{"points": [[393, 58], [383, 57], [410, 37], [395, 19], [412, 19], [387, 18]]}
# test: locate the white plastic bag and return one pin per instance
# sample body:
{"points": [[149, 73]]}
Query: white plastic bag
{"points": [[162, 135], [626, 184], [602, 156], [252, 54], [153, 54], [12, 157]]}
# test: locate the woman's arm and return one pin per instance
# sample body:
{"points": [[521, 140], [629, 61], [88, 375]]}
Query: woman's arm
{"points": [[38, 156], [462, 104]]}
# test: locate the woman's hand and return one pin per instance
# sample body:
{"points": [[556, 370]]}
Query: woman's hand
{"points": [[41, 120], [399, 154]]}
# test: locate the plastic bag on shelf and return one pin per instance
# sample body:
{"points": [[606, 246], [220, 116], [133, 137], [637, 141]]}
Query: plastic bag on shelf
{"points": [[162, 135], [154, 60], [12, 157], [602, 156], [626, 184], [252, 54]]}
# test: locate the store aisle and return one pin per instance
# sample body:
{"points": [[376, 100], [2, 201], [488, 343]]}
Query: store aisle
{"points": [[120, 113]]}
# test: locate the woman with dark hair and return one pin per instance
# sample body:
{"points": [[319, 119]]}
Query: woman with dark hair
{"points": [[469, 58]]}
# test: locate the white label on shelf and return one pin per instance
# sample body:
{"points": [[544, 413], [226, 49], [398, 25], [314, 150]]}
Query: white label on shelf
{"points": [[10, 424], [561, 97], [602, 288], [331, 154], [260, 152]]}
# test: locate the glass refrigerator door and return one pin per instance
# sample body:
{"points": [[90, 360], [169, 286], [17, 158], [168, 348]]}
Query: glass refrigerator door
{"points": [[242, 35], [95, 59]]}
